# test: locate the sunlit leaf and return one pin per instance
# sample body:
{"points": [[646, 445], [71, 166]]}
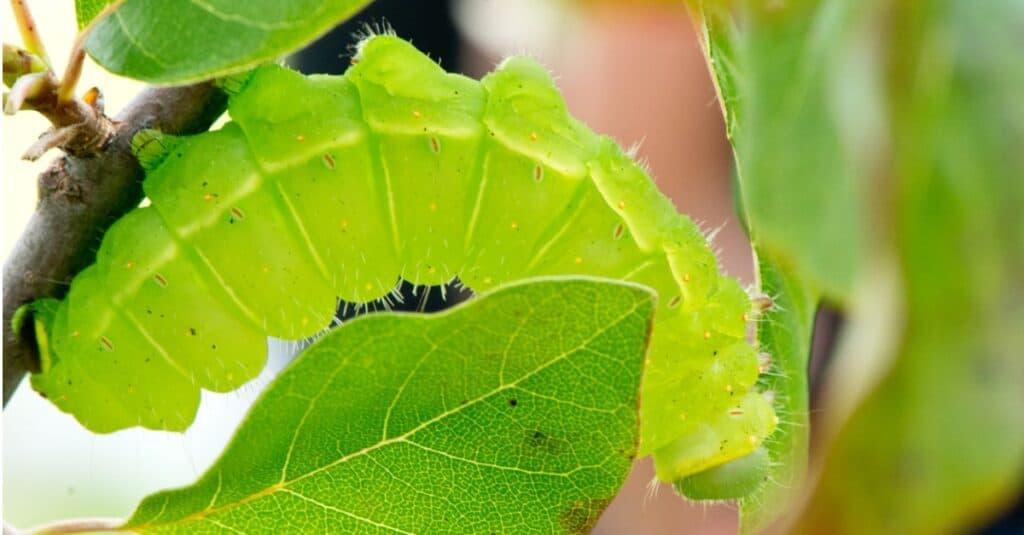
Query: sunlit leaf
{"points": [[516, 412]]}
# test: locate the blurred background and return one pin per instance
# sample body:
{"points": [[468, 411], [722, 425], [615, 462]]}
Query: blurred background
{"points": [[609, 59]]}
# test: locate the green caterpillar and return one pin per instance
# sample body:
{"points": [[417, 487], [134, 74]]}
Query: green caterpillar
{"points": [[327, 187]]}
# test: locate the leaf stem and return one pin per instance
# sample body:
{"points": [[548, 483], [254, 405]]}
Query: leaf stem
{"points": [[77, 525], [28, 30], [73, 71]]}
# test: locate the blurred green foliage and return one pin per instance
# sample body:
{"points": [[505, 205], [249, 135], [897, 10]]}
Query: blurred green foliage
{"points": [[884, 136]]}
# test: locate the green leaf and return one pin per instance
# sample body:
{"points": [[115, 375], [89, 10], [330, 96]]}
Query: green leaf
{"points": [[515, 412], [938, 445], [784, 336], [779, 201], [719, 36], [178, 41], [86, 10], [777, 71]]}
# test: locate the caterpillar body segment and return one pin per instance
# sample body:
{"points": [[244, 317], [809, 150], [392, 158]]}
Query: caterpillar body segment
{"points": [[328, 187]]}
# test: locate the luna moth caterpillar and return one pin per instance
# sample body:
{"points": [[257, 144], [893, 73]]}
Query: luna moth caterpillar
{"points": [[328, 187]]}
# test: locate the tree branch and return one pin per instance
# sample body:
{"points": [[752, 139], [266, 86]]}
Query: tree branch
{"points": [[80, 196]]}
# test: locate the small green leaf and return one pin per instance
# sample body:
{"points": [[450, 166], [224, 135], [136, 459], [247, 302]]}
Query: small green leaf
{"points": [[86, 10], [784, 336], [516, 412], [178, 41]]}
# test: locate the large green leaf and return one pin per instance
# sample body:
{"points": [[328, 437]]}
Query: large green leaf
{"points": [[784, 337], [938, 446], [516, 412], [177, 41]]}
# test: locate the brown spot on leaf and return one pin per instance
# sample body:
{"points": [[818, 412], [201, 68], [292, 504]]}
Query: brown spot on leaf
{"points": [[581, 517], [539, 442]]}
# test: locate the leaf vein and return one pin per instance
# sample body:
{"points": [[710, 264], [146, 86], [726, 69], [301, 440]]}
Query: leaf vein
{"points": [[344, 512]]}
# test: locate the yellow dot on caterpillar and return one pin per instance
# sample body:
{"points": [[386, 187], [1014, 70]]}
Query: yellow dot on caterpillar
{"points": [[728, 388], [744, 317], [752, 439], [533, 136], [130, 265], [622, 205], [433, 207], [266, 269], [417, 114], [707, 335], [76, 333], [487, 280], [231, 376], [579, 259], [368, 287], [431, 269], [682, 416], [305, 321], [686, 277], [344, 223], [131, 389], [515, 226], [207, 197], [300, 138]]}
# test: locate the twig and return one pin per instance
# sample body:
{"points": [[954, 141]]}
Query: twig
{"points": [[79, 128], [28, 30], [79, 197]]}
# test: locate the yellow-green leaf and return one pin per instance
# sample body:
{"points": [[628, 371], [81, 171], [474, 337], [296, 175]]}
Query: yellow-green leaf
{"points": [[516, 412]]}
